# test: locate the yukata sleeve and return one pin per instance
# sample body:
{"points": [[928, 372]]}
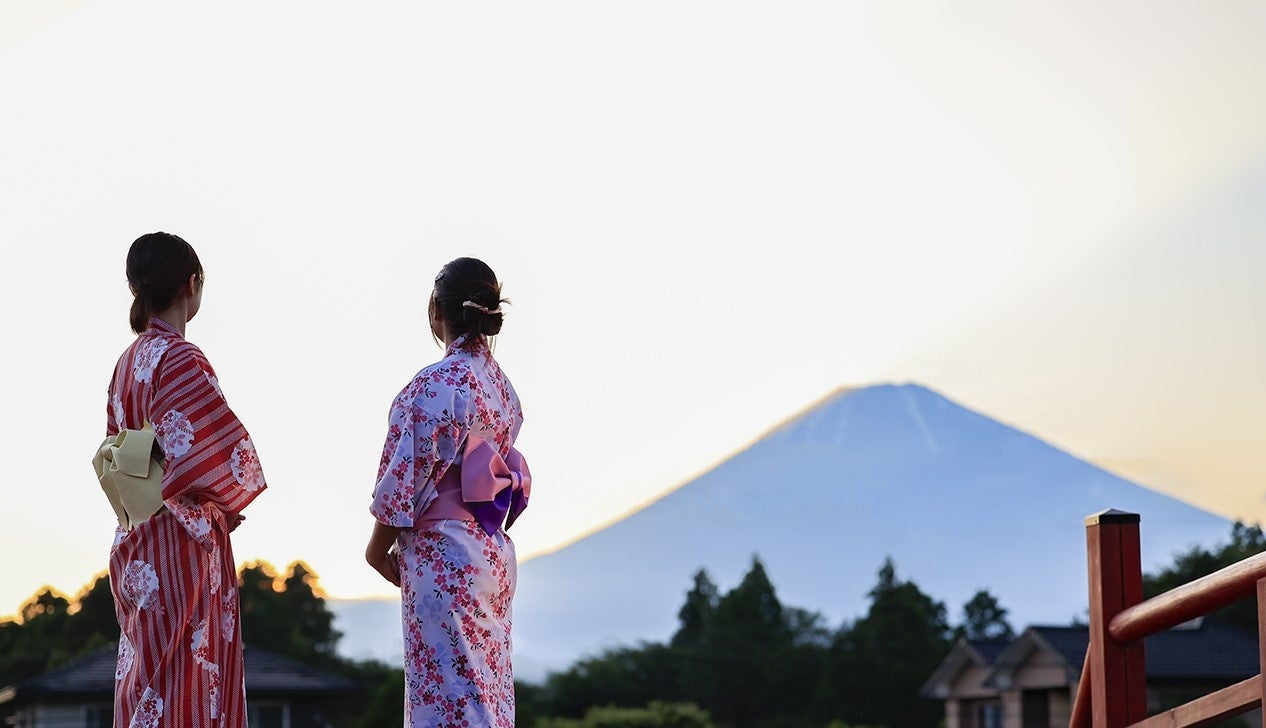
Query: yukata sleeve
{"points": [[210, 458], [424, 434], [114, 410]]}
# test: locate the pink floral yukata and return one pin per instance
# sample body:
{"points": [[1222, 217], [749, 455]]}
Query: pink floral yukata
{"points": [[450, 476], [173, 580]]}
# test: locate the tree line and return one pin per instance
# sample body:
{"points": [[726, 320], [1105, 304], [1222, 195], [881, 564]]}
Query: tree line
{"points": [[743, 658], [739, 658], [746, 660]]}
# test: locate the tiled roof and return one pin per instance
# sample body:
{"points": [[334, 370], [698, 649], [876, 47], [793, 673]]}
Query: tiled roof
{"points": [[267, 676], [989, 649], [1070, 642], [1202, 650], [962, 655]]}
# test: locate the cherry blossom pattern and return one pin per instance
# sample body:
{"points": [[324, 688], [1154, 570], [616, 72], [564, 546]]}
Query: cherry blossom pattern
{"points": [[228, 614], [149, 711], [214, 557], [175, 434], [457, 582], [140, 582], [116, 407], [457, 586], [126, 657], [245, 465], [464, 393], [202, 656], [193, 517], [147, 357]]}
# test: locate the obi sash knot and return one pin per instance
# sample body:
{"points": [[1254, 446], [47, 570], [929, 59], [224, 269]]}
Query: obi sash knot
{"points": [[495, 489]]}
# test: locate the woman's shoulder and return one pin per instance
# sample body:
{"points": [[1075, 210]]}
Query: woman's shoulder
{"points": [[183, 352], [435, 384]]}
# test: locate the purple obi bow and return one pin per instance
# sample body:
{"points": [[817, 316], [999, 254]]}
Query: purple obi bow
{"points": [[495, 489]]}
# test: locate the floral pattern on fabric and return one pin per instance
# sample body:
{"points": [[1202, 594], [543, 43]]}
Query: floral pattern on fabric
{"points": [[245, 465], [148, 712], [457, 586], [457, 582], [116, 407], [464, 393], [193, 517], [175, 434], [203, 657], [126, 656], [148, 355], [180, 647], [228, 613], [214, 557], [140, 581]]}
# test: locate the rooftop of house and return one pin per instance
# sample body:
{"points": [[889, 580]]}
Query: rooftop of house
{"points": [[1200, 651], [268, 675]]}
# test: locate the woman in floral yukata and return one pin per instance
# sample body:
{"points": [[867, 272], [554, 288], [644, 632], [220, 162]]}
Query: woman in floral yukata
{"points": [[172, 576], [450, 482]]}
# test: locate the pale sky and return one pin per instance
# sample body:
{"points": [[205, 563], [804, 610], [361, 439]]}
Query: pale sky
{"points": [[708, 215]]}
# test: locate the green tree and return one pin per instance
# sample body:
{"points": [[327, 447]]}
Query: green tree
{"points": [[313, 621], [622, 676], [287, 615], [36, 640], [656, 714], [750, 640], [697, 614], [691, 645], [985, 619], [1199, 561], [265, 623], [876, 666]]}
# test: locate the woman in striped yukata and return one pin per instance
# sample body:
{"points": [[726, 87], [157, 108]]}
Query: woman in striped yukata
{"points": [[172, 575], [449, 483]]}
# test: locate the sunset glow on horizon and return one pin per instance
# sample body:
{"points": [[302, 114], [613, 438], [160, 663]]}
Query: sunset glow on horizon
{"points": [[708, 216]]}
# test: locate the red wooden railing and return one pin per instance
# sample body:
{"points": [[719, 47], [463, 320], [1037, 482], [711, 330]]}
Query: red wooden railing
{"points": [[1112, 692]]}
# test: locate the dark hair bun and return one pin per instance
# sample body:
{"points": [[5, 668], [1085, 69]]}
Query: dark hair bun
{"points": [[469, 296]]}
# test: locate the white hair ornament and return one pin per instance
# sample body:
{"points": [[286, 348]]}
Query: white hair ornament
{"points": [[481, 309]]}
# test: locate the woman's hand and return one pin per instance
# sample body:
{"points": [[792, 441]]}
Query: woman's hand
{"points": [[387, 566], [379, 555], [236, 521]]}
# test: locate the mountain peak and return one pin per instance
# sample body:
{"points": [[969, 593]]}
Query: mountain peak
{"points": [[889, 416], [893, 470]]}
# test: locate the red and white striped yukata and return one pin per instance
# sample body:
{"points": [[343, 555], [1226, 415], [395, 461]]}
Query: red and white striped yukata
{"points": [[173, 579]]}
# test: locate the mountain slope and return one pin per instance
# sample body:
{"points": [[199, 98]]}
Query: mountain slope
{"points": [[960, 501]]}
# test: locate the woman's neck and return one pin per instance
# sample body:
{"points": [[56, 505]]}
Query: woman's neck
{"points": [[176, 317]]}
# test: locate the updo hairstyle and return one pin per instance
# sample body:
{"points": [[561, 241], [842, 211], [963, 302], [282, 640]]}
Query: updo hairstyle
{"points": [[158, 267], [469, 297]]}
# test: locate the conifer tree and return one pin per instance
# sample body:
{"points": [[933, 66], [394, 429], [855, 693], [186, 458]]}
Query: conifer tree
{"points": [[313, 622], [877, 665], [749, 636], [985, 619], [696, 615]]}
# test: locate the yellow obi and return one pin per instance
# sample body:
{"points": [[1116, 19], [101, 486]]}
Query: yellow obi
{"points": [[130, 475]]}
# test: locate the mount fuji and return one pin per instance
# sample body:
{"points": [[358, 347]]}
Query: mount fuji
{"points": [[960, 502]]}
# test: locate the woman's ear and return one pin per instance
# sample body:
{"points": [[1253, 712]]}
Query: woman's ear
{"points": [[191, 286]]}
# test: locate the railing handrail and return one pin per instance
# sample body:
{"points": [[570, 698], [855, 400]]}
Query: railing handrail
{"points": [[1111, 690], [1183, 603]]}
